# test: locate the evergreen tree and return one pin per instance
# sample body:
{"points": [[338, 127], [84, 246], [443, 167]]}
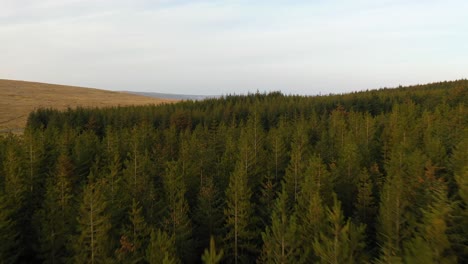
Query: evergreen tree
{"points": [[278, 151], [177, 222], [8, 234], [212, 256], [92, 242], [133, 242], [55, 218], [161, 249], [208, 215], [297, 166], [365, 205], [345, 174], [430, 243], [15, 220], [460, 224], [238, 213], [266, 200], [392, 206], [309, 207], [341, 241], [280, 240]]}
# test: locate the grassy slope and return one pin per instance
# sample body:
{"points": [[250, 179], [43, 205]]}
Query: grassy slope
{"points": [[19, 98]]}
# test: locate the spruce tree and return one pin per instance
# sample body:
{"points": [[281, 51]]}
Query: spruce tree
{"points": [[9, 235], [55, 218], [161, 249], [430, 243], [296, 168], [133, 242], [340, 241], [211, 255], [310, 205], [238, 213], [208, 215], [365, 204], [280, 240], [177, 222], [92, 243]]}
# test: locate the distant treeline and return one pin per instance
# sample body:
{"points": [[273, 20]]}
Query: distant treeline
{"points": [[378, 176]]}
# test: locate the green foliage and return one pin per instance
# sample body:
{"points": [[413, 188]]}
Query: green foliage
{"points": [[280, 240], [196, 169], [8, 233], [92, 242], [54, 220], [212, 256], [238, 214], [161, 249], [177, 222], [430, 243], [208, 216], [133, 242], [340, 241]]}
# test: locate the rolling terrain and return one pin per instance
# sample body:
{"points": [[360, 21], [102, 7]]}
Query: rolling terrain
{"points": [[175, 96], [19, 98]]}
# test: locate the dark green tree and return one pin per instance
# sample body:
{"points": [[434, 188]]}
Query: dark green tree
{"points": [[133, 242], [238, 214], [211, 255], [8, 233], [177, 222], [341, 241], [161, 249], [92, 242], [55, 219], [280, 240]]}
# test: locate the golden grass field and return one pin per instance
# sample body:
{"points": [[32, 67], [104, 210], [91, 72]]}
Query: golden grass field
{"points": [[19, 98]]}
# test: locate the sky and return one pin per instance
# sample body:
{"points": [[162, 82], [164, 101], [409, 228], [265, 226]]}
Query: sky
{"points": [[234, 47]]}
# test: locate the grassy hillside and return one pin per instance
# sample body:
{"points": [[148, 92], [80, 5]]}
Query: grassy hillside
{"points": [[19, 98]]}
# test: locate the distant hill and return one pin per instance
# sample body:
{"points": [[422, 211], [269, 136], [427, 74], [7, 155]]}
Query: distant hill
{"points": [[174, 96], [19, 98]]}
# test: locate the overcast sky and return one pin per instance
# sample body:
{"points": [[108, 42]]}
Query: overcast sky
{"points": [[221, 47]]}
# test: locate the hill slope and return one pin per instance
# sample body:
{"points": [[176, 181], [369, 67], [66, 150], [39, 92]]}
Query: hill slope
{"points": [[19, 98]]}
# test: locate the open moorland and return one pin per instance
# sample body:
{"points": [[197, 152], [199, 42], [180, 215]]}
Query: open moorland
{"points": [[19, 98]]}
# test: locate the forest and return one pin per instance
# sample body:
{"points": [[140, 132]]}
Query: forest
{"points": [[377, 176]]}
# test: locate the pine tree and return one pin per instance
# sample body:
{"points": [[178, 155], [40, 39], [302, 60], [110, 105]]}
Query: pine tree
{"points": [[92, 243], [430, 243], [365, 206], [345, 174], [14, 172], [177, 222], [296, 168], [458, 224], [266, 200], [161, 249], [280, 240], [14, 199], [55, 218], [392, 206], [341, 241], [211, 255], [395, 222], [9, 236], [133, 242], [309, 207], [208, 215], [238, 215], [277, 147]]}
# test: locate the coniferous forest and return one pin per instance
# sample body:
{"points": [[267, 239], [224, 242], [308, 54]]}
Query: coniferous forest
{"points": [[369, 177]]}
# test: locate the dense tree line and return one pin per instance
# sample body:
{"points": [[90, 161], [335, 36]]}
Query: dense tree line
{"points": [[369, 177]]}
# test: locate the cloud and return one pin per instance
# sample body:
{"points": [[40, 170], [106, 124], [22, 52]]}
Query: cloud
{"points": [[211, 47]]}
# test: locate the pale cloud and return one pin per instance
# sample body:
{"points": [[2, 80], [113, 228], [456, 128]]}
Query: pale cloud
{"points": [[213, 47]]}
